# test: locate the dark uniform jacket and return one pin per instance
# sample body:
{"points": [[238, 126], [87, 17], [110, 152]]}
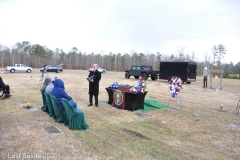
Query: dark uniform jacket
{"points": [[94, 86], [2, 85]]}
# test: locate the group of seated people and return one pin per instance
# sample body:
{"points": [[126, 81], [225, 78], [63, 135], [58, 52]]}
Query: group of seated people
{"points": [[5, 88], [56, 88], [74, 118]]}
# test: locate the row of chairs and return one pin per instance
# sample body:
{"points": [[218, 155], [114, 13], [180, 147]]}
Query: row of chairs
{"points": [[70, 117]]}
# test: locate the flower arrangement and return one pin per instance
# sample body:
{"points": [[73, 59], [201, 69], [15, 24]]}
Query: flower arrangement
{"points": [[141, 86], [26, 105], [141, 83], [175, 85]]}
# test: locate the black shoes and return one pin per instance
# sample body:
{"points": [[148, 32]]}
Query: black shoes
{"points": [[92, 105], [6, 96]]}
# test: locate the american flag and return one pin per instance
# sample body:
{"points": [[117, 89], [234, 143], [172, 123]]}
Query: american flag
{"points": [[215, 63]]}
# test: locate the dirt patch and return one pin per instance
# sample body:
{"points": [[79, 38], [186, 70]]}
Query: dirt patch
{"points": [[139, 135], [141, 115], [52, 129]]}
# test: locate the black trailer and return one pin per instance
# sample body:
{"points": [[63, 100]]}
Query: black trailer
{"points": [[187, 71]]}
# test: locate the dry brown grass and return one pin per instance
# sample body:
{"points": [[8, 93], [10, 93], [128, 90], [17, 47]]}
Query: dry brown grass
{"points": [[119, 134]]}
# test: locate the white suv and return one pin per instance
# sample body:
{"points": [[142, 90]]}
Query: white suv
{"points": [[99, 70]]}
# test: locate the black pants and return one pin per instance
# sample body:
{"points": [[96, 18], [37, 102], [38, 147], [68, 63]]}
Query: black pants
{"points": [[6, 89], [91, 97], [205, 81]]}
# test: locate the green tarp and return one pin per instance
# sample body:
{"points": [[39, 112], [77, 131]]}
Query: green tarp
{"points": [[151, 105]]}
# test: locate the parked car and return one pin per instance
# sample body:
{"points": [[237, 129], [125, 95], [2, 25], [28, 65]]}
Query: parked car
{"points": [[99, 70], [53, 68], [18, 68]]}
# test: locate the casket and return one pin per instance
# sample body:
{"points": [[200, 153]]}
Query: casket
{"points": [[123, 87]]}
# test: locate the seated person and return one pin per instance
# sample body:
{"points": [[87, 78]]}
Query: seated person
{"points": [[50, 86], [59, 92], [6, 88], [46, 83]]}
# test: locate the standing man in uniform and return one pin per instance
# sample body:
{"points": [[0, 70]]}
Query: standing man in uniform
{"points": [[94, 77], [205, 77]]}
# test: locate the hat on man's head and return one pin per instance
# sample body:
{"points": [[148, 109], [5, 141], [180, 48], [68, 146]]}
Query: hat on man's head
{"points": [[205, 68]]}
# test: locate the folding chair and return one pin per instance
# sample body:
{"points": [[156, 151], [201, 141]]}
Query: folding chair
{"points": [[44, 107], [60, 114], [76, 118], [49, 105]]}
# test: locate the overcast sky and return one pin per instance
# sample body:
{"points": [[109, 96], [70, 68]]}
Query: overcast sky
{"points": [[146, 26]]}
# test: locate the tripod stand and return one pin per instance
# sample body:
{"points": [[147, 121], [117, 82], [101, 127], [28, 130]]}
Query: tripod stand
{"points": [[177, 98], [41, 79]]}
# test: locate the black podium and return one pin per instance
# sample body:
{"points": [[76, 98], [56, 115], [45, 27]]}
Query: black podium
{"points": [[126, 100]]}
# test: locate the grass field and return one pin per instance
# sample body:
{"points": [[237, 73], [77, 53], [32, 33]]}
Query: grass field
{"points": [[199, 131]]}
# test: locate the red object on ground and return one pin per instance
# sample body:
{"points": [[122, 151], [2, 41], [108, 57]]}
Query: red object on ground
{"points": [[221, 107]]}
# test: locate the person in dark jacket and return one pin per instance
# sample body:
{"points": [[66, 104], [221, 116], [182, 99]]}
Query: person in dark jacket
{"points": [[6, 89], [44, 70], [94, 78], [59, 92]]}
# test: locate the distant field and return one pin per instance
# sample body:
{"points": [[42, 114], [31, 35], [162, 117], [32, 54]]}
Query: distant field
{"points": [[198, 131]]}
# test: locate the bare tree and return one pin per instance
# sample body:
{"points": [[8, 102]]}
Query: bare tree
{"points": [[3, 51], [119, 64], [179, 54], [37, 55], [218, 53], [221, 52]]}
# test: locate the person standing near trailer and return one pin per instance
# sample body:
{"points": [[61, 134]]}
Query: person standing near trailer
{"points": [[206, 74]]}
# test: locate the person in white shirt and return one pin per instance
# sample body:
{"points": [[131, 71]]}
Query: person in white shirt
{"points": [[49, 88], [206, 74]]}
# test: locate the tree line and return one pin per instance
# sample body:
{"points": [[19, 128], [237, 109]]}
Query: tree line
{"points": [[35, 56]]}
